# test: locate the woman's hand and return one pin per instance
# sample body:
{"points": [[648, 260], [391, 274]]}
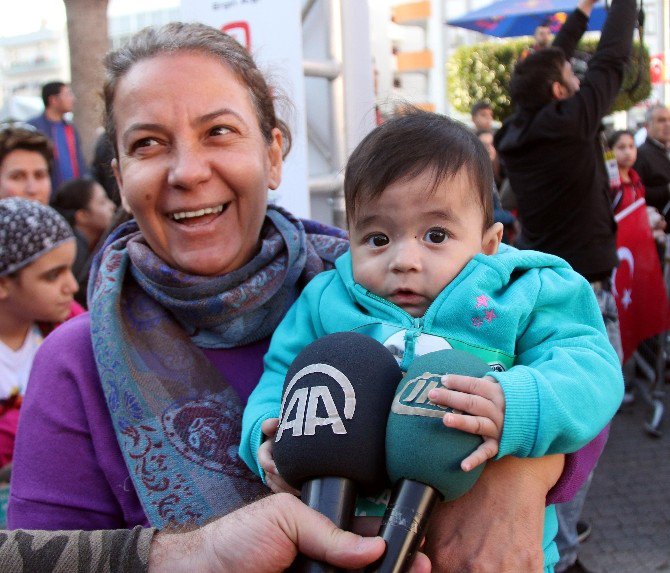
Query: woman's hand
{"points": [[497, 526], [479, 408], [274, 481]]}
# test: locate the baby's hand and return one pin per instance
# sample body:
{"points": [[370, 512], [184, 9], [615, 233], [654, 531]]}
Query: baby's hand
{"points": [[479, 408], [266, 461]]}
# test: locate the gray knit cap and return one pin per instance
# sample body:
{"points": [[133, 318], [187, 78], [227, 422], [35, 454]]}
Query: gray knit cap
{"points": [[28, 230]]}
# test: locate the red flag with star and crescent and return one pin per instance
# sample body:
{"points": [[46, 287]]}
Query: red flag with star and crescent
{"points": [[637, 283]]}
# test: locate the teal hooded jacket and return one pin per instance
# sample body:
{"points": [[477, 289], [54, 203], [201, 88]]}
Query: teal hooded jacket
{"points": [[533, 319]]}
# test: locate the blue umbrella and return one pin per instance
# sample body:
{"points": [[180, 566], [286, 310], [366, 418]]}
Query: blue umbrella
{"points": [[507, 18]]}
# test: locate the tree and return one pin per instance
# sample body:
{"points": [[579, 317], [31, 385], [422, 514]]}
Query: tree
{"points": [[483, 71], [88, 39]]}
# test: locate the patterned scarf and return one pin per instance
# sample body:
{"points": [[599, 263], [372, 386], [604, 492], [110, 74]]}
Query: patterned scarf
{"points": [[176, 419]]}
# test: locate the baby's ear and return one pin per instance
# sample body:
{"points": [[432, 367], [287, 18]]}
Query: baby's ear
{"points": [[492, 239]]}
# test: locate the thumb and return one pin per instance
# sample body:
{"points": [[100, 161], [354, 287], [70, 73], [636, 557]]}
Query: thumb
{"points": [[318, 538]]}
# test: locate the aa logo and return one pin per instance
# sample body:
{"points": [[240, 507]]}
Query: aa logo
{"points": [[300, 408]]}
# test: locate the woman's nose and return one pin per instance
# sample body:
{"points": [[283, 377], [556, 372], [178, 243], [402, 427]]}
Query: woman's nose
{"points": [[190, 166]]}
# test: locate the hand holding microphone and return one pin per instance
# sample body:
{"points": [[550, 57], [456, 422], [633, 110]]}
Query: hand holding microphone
{"points": [[330, 441], [266, 460], [423, 457]]}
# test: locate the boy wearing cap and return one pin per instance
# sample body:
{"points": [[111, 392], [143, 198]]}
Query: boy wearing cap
{"points": [[37, 249]]}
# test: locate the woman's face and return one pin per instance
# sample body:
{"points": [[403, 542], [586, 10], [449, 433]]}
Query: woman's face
{"points": [[625, 151], [193, 164], [25, 174]]}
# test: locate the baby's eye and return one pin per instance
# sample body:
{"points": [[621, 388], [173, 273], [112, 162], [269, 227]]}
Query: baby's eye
{"points": [[377, 240], [435, 236]]}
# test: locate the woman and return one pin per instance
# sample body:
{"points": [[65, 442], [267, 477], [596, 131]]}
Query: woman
{"points": [[88, 210], [25, 164], [140, 423]]}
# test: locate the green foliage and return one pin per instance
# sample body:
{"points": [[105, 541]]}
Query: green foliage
{"points": [[482, 72]]}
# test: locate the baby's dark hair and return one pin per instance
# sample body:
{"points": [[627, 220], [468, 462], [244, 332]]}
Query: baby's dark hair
{"points": [[617, 135], [409, 144]]}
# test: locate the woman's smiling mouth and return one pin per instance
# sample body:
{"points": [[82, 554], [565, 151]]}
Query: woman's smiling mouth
{"points": [[198, 217]]}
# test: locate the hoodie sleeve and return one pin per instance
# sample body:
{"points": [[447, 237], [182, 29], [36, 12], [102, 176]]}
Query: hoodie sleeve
{"points": [[571, 32], [300, 327], [605, 71], [567, 383]]}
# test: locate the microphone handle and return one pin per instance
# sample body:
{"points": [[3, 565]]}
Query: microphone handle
{"points": [[334, 497], [404, 525]]}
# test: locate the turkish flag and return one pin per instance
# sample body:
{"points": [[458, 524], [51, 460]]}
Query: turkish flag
{"points": [[637, 283]]}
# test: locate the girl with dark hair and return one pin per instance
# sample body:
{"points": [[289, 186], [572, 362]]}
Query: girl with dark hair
{"points": [[631, 188], [85, 205]]}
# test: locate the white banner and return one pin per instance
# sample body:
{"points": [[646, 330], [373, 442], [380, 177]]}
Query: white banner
{"points": [[272, 31]]}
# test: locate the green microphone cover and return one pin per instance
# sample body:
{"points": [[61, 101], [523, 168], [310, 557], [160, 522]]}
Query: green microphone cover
{"points": [[418, 445]]}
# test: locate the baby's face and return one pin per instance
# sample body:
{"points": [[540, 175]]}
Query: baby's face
{"points": [[408, 244]]}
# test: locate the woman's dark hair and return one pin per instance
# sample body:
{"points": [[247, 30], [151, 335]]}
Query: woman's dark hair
{"points": [[533, 78], [616, 136], [72, 196], [408, 145], [193, 37], [13, 138]]}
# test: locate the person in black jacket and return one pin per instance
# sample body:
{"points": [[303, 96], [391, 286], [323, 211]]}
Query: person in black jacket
{"points": [[551, 146], [552, 150], [653, 160]]}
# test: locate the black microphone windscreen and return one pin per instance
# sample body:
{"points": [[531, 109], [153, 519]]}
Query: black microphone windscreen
{"points": [[335, 404]]}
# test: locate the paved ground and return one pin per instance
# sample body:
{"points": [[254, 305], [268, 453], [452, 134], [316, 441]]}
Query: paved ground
{"points": [[629, 501]]}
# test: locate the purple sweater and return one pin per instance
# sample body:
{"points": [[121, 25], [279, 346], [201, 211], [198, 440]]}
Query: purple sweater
{"points": [[69, 471]]}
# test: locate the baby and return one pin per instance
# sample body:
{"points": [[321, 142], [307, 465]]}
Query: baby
{"points": [[427, 271]]}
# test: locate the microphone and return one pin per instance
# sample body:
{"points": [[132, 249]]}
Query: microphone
{"points": [[423, 456], [332, 425]]}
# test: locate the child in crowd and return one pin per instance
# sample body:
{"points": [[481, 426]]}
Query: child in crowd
{"points": [[631, 188], [427, 271], [37, 249], [85, 205], [500, 214]]}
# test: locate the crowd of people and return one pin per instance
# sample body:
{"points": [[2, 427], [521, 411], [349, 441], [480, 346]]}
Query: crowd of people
{"points": [[148, 318]]}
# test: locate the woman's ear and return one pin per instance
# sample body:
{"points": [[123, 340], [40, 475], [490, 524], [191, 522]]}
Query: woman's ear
{"points": [[492, 238], [117, 175], [276, 159], [119, 183]]}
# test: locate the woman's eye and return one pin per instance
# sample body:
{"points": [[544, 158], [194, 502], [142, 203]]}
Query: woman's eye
{"points": [[144, 142], [219, 130], [378, 240], [435, 236]]}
